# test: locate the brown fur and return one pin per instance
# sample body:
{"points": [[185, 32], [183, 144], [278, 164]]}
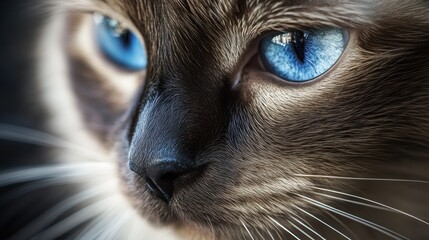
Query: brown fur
{"points": [[367, 118]]}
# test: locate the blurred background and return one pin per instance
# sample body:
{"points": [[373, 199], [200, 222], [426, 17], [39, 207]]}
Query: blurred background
{"points": [[20, 21], [18, 32]]}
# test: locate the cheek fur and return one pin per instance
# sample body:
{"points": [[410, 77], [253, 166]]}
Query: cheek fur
{"points": [[349, 148]]}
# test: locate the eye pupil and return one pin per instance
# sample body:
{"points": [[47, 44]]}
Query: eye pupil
{"points": [[300, 56], [126, 39], [119, 44], [298, 41]]}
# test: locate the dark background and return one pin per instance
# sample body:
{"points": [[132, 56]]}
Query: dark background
{"points": [[20, 24]]}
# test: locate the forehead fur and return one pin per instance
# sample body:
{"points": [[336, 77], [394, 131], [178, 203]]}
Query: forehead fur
{"points": [[361, 117]]}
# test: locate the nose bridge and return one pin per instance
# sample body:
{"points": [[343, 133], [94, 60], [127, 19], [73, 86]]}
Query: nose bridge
{"points": [[160, 130], [170, 132], [175, 125], [183, 112]]}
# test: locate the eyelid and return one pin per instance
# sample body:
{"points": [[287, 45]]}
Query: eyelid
{"points": [[126, 24], [101, 8], [123, 21]]}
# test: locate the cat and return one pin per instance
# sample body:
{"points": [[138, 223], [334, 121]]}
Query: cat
{"points": [[233, 119]]}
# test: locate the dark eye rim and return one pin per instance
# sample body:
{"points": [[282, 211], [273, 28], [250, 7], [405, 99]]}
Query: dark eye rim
{"points": [[257, 61]]}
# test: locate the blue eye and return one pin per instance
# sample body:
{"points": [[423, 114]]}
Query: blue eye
{"points": [[120, 45], [300, 56]]}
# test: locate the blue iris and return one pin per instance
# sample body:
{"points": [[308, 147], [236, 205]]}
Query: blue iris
{"points": [[120, 45], [300, 56]]}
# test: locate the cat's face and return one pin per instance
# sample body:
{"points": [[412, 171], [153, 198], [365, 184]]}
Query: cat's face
{"points": [[211, 141]]}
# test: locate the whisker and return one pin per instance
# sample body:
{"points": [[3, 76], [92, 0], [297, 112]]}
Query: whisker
{"points": [[100, 224], [283, 227], [34, 186], [250, 234], [363, 179], [75, 219], [276, 230], [269, 233], [375, 202], [68, 170], [26, 135], [114, 231], [302, 231], [323, 222], [89, 230], [341, 223], [257, 231], [365, 222], [351, 201], [114, 220], [56, 211], [308, 227]]}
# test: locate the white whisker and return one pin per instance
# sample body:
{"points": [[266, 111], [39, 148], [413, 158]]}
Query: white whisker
{"points": [[277, 232], [341, 223], [50, 215], [351, 201], [363, 179], [269, 233], [375, 202], [116, 226], [75, 219], [302, 231], [100, 224], [308, 227], [57, 171], [31, 136], [257, 231], [365, 222], [90, 228], [323, 222], [283, 227], [250, 234], [34, 186]]}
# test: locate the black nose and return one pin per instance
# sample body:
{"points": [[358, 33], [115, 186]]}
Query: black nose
{"points": [[171, 134], [161, 175]]}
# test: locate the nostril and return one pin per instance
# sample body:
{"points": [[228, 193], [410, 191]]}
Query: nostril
{"points": [[163, 192], [162, 185], [161, 175]]}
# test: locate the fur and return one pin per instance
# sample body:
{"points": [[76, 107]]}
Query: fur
{"points": [[281, 160]]}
